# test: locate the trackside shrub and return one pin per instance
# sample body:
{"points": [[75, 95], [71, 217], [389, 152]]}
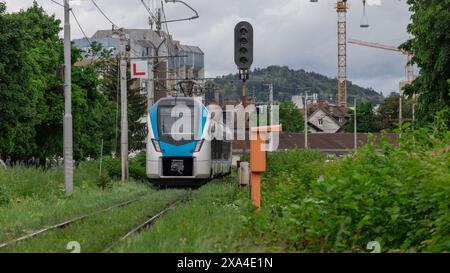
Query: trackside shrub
{"points": [[396, 195], [136, 167]]}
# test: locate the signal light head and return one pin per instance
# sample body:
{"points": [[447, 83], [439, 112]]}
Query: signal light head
{"points": [[243, 45]]}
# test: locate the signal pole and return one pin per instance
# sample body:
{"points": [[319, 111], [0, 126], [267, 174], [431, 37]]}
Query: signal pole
{"points": [[306, 120], [270, 103], [355, 129], [68, 133], [400, 110], [243, 57]]}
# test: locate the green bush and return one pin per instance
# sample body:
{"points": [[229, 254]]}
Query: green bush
{"points": [[4, 195], [398, 196], [104, 181], [136, 167]]}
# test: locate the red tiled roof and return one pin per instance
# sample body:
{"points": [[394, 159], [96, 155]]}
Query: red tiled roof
{"points": [[324, 142]]}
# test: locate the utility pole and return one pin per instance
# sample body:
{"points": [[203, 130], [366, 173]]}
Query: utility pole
{"points": [[123, 105], [306, 120], [400, 110], [68, 134], [151, 82], [414, 111], [270, 103], [355, 129]]}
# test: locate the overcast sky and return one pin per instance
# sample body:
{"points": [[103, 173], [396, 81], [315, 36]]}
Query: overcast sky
{"points": [[295, 33]]}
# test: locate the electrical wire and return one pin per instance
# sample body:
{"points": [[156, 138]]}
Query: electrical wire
{"points": [[81, 28], [164, 16], [57, 3], [104, 15]]}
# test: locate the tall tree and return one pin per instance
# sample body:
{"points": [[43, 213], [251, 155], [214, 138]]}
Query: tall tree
{"points": [[137, 101], [31, 94], [388, 112], [290, 118], [429, 27], [365, 118], [30, 53]]}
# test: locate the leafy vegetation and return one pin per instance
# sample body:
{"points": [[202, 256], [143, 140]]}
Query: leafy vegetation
{"points": [[136, 167], [430, 44], [31, 198], [365, 117], [388, 113], [32, 95], [96, 233], [210, 222], [291, 118], [398, 196], [288, 82]]}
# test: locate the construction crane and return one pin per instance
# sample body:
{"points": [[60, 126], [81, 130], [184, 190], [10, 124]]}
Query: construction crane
{"points": [[341, 8], [409, 69]]}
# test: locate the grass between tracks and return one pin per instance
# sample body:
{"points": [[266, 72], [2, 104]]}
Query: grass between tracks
{"points": [[31, 198], [96, 233], [211, 222]]}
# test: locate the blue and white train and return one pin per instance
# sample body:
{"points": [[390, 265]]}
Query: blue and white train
{"points": [[185, 147]]}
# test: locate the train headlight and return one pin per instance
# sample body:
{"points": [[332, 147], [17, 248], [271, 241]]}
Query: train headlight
{"points": [[156, 145], [198, 145]]}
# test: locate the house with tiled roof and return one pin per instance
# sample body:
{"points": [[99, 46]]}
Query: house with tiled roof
{"points": [[327, 118]]}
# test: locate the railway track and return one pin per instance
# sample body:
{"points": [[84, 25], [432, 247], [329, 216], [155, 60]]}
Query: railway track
{"points": [[68, 222], [149, 222]]}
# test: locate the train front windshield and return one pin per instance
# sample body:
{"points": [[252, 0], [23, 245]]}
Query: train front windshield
{"points": [[177, 123]]}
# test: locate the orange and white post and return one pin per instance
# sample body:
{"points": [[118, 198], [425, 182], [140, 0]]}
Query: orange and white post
{"points": [[258, 159]]}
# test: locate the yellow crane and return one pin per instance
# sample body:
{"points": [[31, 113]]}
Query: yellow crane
{"points": [[409, 69], [341, 8]]}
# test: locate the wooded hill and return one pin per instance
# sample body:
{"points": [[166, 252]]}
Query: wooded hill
{"points": [[289, 82]]}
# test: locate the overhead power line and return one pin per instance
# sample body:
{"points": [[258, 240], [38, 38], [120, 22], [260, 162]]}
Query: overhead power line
{"points": [[164, 16], [57, 3], [81, 28], [104, 15]]}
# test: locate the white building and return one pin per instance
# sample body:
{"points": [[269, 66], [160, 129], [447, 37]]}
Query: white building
{"points": [[327, 118], [143, 43]]}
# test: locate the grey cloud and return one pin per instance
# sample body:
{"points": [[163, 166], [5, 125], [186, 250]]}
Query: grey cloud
{"points": [[296, 33]]}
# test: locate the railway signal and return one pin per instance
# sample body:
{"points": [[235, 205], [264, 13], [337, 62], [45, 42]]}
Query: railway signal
{"points": [[243, 45]]}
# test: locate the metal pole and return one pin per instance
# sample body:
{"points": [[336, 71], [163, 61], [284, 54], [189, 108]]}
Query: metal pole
{"points": [[355, 129], [400, 110], [306, 120], [270, 103], [123, 107], [414, 110], [150, 101], [244, 92], [101, 158], [244, 104], [68, 134]]}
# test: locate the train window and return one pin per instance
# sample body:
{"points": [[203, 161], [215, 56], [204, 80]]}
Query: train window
{"points": [[176, 122]]}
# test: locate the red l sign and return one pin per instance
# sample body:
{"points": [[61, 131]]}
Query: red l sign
{"points": [[139, 70], [135, 72]]}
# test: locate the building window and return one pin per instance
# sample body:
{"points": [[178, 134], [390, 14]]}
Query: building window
{"points": [[320, 121]]}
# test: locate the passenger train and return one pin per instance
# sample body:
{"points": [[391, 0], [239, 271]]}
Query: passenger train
{"points": [[186, 145]]}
